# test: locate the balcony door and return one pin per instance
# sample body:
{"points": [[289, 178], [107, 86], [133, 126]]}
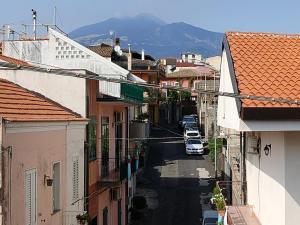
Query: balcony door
{"points": [[104, 146]]}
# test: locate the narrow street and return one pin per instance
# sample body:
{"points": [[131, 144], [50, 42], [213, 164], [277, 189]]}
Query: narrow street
{"points": [[182, 182]]}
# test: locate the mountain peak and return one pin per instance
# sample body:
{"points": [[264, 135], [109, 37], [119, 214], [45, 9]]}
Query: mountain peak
{"points": [[148, 32]]}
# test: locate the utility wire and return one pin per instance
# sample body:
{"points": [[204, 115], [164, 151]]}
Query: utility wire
{"points": [[101, 77]]}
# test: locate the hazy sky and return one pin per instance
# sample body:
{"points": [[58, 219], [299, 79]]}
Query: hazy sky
{"points": [[215, 15]]}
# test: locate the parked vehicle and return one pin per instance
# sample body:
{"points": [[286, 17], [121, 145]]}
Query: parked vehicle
{"points": [[209, 217], [194, 134], [195, 116], [186, 119], [191, 126], [194, 146]]}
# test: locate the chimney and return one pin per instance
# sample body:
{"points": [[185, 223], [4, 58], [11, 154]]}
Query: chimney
{"points": [[117, 42], [143, 54], [34, 23], [129, 58]]}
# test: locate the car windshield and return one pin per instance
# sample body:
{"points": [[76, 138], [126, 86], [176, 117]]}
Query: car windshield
{"points": [[210, 221], [188, 125], [193, 141], [193, 134], [188, 119]]}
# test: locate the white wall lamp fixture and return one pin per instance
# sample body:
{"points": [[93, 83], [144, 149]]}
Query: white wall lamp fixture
{"points": [[267, 149]]}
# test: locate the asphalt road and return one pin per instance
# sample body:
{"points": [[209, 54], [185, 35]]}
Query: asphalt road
{"points": [[182, 182]]}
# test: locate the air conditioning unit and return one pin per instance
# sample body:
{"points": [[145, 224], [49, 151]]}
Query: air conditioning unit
{"points": [[115, 194], [253, 144]]}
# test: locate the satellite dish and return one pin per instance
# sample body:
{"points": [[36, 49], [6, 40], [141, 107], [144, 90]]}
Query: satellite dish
{"points": [[118, 50]]}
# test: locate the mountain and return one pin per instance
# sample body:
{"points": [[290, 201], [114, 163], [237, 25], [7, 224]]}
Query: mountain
{"points": [[150, 33]]}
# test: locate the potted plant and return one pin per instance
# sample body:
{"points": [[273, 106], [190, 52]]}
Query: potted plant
{"points": [[83, 218], [219, 201]]}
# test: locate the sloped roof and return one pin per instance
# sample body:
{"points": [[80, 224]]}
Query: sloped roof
{"points": [[266, 64], [193, 72], [185, 64], [20, 104], [103, 50], [13, 60]]}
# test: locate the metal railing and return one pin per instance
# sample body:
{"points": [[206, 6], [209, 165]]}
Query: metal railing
{"points": [[69, 217], [112, 171]]}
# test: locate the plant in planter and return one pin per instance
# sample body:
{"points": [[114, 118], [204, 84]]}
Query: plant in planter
{"points": [[83, 218], [219, 201]]}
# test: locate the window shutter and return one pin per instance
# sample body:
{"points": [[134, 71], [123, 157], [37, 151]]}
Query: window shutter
{"points": [[75, 179], [30, 197], [56, 186]]}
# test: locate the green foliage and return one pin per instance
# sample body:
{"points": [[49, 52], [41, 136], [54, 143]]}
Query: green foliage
{"points": [[185, 95], [142, 117], [218, 198], [211, 148], [172, 95]]}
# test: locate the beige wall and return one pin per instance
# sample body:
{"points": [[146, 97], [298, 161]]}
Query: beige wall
{"points": [[36, 150]]}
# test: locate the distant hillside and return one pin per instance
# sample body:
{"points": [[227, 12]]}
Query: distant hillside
{"points": [[152, 34]]}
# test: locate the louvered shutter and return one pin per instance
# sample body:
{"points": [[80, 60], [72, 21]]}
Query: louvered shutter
{"points": [[75, 179], [56, 186], [30, 197]]}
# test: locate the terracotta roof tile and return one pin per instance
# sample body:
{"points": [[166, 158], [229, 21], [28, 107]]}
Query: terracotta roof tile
{"points": [[192, 72], [19, 104], [266, 65], [185, 64], [103, 50], [13, 60]]}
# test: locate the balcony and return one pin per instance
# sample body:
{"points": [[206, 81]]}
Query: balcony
{"points": [[139, 129], [112, 172], [238, 213], [69, 217]]}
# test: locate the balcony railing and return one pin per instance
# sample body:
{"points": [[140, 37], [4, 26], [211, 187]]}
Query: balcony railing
{"points": [[69, 217], [112, 172], [239, 213]]}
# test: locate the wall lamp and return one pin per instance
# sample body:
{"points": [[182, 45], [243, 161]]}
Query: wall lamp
{"points": [[267, 149], [48, 180]]}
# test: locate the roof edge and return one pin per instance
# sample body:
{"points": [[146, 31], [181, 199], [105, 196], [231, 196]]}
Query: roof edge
{"points": [[226, 47]]}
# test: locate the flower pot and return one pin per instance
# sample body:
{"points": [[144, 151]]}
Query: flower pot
{"points": [[221, 212]]}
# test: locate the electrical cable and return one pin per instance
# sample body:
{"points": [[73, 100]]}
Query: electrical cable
{"points": [[101, 77]]}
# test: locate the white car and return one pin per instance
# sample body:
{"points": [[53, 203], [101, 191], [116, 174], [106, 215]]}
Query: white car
{"points": [[209, 217], [191, 133], [194, 146]]}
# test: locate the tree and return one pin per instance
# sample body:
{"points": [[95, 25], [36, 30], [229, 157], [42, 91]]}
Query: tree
{"points": [[172, 95], [185, 95]]}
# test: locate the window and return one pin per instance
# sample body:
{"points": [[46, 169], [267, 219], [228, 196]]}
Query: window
{"points": [[104, 146], [75, 179], [118, 142], [56, 187], [105, 216], [92, 138], [30, 197]]}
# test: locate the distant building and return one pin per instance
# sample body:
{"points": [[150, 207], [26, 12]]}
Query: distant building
{"points": [[191, 57], [214, 61]]}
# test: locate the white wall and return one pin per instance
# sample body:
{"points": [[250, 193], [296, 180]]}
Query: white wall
{"points": [[227, 115], [292, 177], [70, 92], [59, 51], [266, 180]]}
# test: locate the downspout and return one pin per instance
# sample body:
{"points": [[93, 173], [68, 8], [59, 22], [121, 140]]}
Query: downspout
{"points": [[243, 168]]}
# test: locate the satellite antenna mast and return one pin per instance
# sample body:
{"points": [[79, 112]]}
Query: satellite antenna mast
{"points": [[34, 22], [54, 18]]}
